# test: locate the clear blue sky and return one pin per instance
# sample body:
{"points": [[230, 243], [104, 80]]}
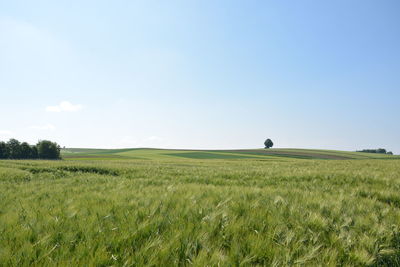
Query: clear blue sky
{"points": [[201, 74]]}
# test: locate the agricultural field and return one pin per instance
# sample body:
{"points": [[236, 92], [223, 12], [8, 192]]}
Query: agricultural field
{"points": [[154, 207]]}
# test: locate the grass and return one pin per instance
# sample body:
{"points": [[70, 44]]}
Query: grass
{"points": [[199, 208]]}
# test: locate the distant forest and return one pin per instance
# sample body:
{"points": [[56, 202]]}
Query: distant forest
{"points": [[378, 151], [14, 149]]}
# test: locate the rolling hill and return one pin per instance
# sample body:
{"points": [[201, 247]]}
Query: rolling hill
{"points": [[261, 154]]}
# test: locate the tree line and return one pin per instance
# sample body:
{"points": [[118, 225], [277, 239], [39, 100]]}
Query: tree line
{"points": [[379, 151], [14, 149]]}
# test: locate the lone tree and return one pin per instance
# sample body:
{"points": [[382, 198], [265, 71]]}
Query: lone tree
{"points": [[268, 143]]}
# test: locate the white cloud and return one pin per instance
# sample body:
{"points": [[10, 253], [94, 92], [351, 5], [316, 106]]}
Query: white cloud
{"points": [[64, 106], [50, 127]]}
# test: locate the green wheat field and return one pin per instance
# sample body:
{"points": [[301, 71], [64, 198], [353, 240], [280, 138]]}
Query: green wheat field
{"points": [[152, 207]]}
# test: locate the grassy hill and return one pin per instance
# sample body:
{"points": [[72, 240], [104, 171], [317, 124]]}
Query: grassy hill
{"points": [[261, 154], [157, 207]]}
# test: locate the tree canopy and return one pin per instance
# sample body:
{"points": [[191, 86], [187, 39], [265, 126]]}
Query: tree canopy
{"points": [[44, 149], [378, 151], [48, 150], [268, 143]]}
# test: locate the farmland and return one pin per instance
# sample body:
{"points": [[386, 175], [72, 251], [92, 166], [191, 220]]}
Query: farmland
{"points": [[135, 207]]}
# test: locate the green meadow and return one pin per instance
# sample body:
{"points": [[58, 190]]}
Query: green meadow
{"points": [[155, 207]]}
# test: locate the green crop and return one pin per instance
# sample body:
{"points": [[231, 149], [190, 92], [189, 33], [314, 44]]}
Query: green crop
{"points": [[200, 210]]}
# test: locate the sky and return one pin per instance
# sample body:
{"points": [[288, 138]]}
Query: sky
{"points": [[201, 74]]}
